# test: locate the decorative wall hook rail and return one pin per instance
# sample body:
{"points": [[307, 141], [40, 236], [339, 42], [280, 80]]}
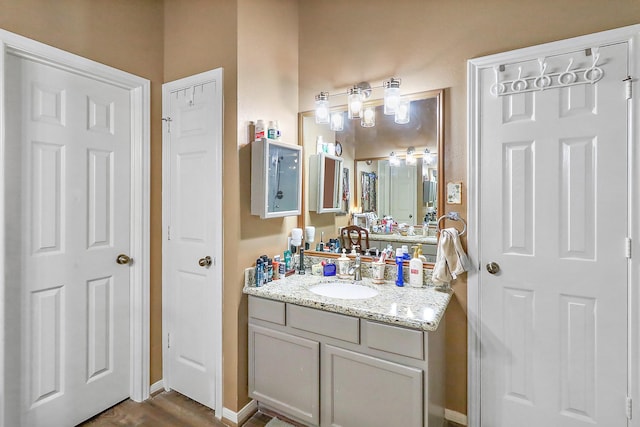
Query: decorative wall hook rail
{"points": [[544, 80], [454, 216]]}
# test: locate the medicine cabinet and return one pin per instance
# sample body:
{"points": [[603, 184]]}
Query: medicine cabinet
{"points": [[276, 177], [325, 183]]}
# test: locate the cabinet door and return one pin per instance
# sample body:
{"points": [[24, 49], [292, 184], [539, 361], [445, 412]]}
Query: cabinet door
{"points": [[284, 373], [360, 390]]}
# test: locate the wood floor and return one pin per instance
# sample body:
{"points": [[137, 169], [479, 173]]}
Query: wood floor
{"points": [[169, 409]]}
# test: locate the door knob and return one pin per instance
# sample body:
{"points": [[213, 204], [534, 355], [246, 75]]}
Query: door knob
{"points": [[493, 267], [205, 262], [124, 259]]}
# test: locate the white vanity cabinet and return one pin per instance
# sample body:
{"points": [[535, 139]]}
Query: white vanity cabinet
{"points": [[328, 369]]}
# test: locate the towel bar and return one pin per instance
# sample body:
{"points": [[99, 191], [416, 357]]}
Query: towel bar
{"points": [[454, 216]]}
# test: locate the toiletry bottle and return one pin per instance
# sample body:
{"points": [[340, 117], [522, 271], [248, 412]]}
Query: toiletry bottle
{"points": [[259, 130], [405, 252], [399, 261], [258, 274], [269, 270], [272, 131], [415, 269], [278, 133], [287, 260], [301, 261], [276, 267]]}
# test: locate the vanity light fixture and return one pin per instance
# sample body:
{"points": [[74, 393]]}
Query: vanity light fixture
{"points": [[393, 159], [355, 99], [411, 156], [427, 157], [368, 117], [322, 108], [403, 112], [391, 95], [357, 109], [337, 121]]}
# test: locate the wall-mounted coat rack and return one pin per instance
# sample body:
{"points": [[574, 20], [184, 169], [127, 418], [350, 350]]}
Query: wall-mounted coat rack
{"points": [[551, 80]]}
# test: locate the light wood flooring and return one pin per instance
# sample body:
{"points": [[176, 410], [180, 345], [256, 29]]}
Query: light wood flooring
{"points": [[170, 409]]}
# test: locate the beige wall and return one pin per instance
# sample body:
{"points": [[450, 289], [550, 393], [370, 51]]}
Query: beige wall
{"points": [[427, 43], [277, 54]]}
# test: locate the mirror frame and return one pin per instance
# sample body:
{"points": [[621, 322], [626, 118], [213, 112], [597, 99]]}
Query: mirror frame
{"points": [[439, 96]]}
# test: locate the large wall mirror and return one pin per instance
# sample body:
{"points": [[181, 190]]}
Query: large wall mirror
{"points": [[378, 176]]}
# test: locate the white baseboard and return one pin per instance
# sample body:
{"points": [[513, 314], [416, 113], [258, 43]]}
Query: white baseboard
{"points": [[156, 387], [242, 415], [455, 417]]}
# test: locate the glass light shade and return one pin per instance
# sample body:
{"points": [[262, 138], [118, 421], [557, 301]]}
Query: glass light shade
{"points": [[337, 121], [427, 158], [368, 118], [403, 113], [391, 96], [354, 103], [411, 156], [322, 108], [393, 159]]}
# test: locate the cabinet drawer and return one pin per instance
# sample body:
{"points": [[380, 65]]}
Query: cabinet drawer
{"points": [[393, 339], [324, 323], [266, 309]]}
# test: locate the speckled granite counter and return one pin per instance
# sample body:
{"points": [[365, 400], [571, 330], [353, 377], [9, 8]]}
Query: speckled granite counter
{"points": [[425, 240], [418, 308]]}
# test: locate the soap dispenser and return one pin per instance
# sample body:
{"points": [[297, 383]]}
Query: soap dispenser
{"points": [[343, 265], [415, 269]]}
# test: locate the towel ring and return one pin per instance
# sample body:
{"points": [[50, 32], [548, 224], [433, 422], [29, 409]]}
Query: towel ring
{"points": [[455, 217]]}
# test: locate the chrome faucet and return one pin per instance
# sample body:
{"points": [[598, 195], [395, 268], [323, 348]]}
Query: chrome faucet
{"points": [[356, 269]]}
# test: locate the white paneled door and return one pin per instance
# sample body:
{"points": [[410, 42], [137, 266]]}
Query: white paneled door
{"points": [[69, 170], [553, 218], [191, 313]]}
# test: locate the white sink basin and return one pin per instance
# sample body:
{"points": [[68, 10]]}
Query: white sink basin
{"points": [[343, 290]]}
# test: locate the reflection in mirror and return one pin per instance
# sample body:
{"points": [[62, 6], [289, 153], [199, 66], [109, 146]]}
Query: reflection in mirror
{"points": [[405, 185], [325, 183]]}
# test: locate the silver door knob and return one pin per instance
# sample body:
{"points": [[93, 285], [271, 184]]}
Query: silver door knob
{"points": [[493, 267], [124, 259], [205, 262]]}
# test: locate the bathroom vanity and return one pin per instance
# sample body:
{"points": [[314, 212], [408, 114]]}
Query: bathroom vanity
{"points": [[326, 361]]}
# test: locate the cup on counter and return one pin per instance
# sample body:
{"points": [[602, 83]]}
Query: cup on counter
{"points": [[378, 272]]}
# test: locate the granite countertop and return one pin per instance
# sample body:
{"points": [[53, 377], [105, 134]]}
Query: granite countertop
{"points": [[417, 308], [403, 239]]}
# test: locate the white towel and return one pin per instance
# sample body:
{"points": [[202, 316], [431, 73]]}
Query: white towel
{"points": [[451, 260]]}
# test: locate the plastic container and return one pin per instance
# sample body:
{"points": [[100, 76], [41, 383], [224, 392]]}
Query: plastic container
{"points": [[415, 269], [259, 131], [272, 130], [399, 261]]}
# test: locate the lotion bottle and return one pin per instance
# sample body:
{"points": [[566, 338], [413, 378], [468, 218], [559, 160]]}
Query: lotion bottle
{"points": [[415, 269]]}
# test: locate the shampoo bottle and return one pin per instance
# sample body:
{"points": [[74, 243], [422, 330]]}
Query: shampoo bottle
{"points": [[399, 261], [415, 269]]}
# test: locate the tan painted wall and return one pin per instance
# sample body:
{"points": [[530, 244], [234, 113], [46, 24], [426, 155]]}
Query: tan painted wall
{"points": [[426, 43], [126, 35]]}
